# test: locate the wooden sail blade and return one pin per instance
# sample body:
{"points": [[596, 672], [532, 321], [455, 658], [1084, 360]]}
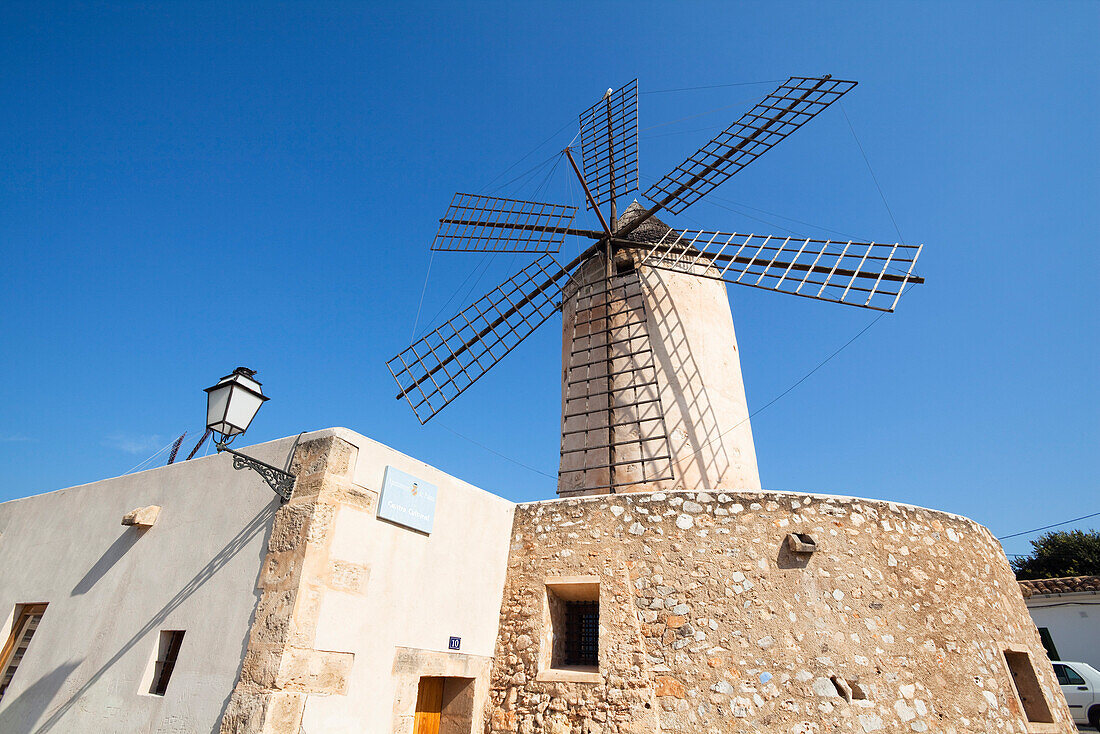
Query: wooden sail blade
{"points": [[865, 274], [439, 367], [609, 144], [789, 107], [475, 223]]}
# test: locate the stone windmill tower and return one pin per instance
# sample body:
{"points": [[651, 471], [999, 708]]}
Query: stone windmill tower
{"points": [[652, 393]]}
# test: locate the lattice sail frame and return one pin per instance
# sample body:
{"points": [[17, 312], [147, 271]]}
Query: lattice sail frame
{"points": [[477, 223], [609, 144], [826, 270], [613, 424], [438, 368], [789, 107]]}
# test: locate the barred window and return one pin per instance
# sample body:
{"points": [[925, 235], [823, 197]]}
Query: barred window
{"points": [[582, 633], [168, 651]]}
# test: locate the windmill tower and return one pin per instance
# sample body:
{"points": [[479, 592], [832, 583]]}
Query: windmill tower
{"points": [[652, 393]]}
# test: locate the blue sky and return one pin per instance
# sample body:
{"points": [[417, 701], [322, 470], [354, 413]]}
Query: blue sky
{"points": [[189, 187]]}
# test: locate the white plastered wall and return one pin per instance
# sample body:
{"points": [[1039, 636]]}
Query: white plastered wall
{"points": [[111, 589], [422, 590], [1074, 624]]}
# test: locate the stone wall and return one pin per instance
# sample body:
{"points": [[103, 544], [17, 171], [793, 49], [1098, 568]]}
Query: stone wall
{"points": [[355, 610], [281, 665], [709, 622]]}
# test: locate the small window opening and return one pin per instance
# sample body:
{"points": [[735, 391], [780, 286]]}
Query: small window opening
{"points": [[1048, 643], [168, 651], [1027, 687], [27, 619], [624, 263], [572, 638], [582, 633]]}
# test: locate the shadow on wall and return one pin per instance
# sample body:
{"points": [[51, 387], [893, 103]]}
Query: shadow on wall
{"points": [[786, 558], [31, 704], [18, 716], [112, 555], [689, 413]]}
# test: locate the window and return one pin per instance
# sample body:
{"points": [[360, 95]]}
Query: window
{"points": [[168, 650], [582, 633], [571, 632], [27, 617], [1027, 686], [1048, 643], [1067, 676]]}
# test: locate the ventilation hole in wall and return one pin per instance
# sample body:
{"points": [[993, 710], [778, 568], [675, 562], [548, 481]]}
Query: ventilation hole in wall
{"points": [[624, 265], [842, 688], [800, 543]]}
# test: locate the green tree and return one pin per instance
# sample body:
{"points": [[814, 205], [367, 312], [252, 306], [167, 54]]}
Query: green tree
{"points": [[1060, 553]]}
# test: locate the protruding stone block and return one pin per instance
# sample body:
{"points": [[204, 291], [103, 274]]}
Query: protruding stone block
{"points": [[142, 517], [800, 543]]}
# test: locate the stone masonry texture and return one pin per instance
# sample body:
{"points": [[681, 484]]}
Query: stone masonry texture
{"points": [[898, 622], [281, 667]]}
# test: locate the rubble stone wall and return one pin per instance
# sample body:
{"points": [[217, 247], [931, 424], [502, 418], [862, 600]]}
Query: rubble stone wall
{"points": [[709, 622]]}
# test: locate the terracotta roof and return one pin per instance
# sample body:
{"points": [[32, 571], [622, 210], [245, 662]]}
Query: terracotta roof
{"points": [[1068, 585]]}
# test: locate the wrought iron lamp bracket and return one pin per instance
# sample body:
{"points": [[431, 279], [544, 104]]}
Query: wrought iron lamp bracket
{"points": [[280, 481]]}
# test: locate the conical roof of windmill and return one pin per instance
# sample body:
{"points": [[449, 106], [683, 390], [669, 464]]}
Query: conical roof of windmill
{"points": [[651, 230]]}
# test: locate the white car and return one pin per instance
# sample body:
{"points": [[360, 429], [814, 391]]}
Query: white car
{"points": [[1081, 685]]}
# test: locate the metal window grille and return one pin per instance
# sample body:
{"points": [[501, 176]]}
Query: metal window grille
{"points": [[582, 633], [169, 650]]}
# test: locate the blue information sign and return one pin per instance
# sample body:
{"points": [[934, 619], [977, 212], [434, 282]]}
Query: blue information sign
{"points": [[407, 500], [455, 643]]}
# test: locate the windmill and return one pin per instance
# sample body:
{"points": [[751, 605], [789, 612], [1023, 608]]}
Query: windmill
{"points": [[652, 394]]}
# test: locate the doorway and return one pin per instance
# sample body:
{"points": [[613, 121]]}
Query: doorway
{"points": [[444, 706]]}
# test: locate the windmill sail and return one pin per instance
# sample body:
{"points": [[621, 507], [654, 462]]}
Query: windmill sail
{"points": [[789, 107], [866, 274], [609, 144], [441, 366], [475, 223]]}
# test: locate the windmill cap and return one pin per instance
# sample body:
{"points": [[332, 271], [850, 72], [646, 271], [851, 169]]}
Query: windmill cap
{"points": [[650, 231]]}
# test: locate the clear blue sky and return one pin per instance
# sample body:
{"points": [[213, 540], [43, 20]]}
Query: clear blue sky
{"points": [[186, 187]]}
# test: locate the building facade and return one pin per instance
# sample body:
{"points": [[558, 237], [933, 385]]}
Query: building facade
{"points": [[1067, 613], [387, 596]]}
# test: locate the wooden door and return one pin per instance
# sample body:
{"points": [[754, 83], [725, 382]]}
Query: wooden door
{"points": [[429, 706]]}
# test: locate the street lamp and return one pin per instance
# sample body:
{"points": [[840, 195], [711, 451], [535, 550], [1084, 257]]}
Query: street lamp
{"points": [[231, 404]]}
